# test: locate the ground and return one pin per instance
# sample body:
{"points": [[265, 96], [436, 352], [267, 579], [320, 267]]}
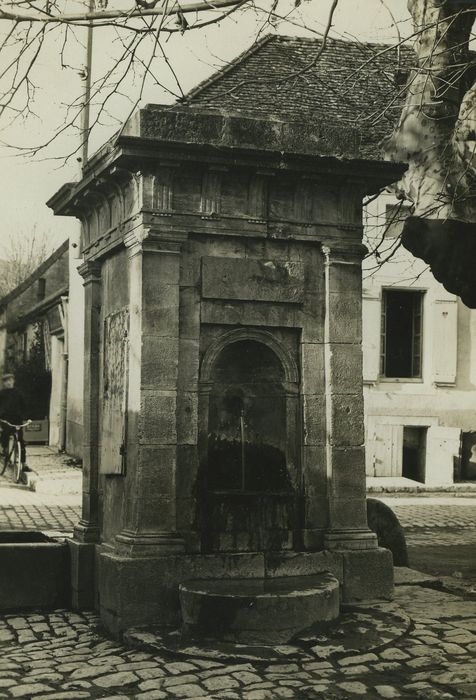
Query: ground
{"points": [[64, 655]]}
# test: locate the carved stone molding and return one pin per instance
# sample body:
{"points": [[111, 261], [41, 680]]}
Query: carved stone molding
{"points": [[90, 271]]}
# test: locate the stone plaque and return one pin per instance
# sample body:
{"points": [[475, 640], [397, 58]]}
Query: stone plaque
{"points": [[114, 401], [252, 280]]}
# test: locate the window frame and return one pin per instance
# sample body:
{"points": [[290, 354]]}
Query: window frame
{"points": [[417, 378]]}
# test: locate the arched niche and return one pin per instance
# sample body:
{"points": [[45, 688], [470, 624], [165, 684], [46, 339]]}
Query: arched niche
{"points": [[248, 444]]}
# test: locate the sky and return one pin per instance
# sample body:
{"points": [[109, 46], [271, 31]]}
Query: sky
{"points": [[27, 182]]}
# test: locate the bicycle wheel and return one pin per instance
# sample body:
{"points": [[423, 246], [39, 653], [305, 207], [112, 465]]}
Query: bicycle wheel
{"points": [[5, 461], [17, 469]]}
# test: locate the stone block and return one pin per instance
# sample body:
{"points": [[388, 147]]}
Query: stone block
{"points": [[347, 420], [156, 510], [345, 278], [346, 368], [312, 318], [347, 513], [161, 310], [187, 468], [258, 610], [35, 571], [157, 423], [187, 418], [189, 363], [304, 563], [82, 562], [189, 312], [312, 539], [159, 365], [186, 521], [316, 511], [345, 320], [144, 591], [348, 472], [252, 133], [312, 364], [367, 575], [314, 414], [159, 268], [156, 466], [258, 314], [253, 280], [314, 468], [173, 126], [190, 264]]}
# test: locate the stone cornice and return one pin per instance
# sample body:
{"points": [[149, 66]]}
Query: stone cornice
{"points": [[213, 140]]}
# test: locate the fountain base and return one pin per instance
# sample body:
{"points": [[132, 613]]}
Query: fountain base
{"points": [[257, 611]]}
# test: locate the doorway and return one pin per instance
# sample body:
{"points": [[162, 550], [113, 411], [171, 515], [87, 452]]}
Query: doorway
{"points": [[468, 457], [414, 453]]}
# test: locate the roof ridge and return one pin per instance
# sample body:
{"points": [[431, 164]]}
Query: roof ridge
{"points": [[37, 272], [228, 67]]}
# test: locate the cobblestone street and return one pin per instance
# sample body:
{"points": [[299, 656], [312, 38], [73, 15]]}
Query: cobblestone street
{"points": [[62, 655], [23, 509]]}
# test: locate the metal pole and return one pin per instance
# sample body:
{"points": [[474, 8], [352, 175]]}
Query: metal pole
{"points": [[85, 114]]}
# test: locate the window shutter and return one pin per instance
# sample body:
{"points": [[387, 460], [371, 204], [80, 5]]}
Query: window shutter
{"points": [[444, 341], [371, 338], [385, 446], [442, 449]]}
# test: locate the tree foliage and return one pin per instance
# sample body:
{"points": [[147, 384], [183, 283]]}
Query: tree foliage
{"points": [[32, 378], [22, 253]]}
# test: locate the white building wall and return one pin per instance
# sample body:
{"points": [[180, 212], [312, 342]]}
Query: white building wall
{"points": [[444, 398], [57, 369]]}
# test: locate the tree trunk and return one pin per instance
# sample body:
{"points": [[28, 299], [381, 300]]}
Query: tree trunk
{"points": [[436, 136]]}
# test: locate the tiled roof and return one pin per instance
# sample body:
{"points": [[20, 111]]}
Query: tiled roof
{"points": [[350, 83]]}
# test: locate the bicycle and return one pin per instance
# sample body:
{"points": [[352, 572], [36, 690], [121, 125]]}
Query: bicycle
{"points": [[12, 456]]}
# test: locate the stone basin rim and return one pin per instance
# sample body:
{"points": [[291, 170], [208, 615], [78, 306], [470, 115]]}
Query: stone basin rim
{"points": [[263, 587]]}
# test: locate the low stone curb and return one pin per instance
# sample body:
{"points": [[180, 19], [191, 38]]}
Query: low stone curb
{"points": [[466, 490], [360, 629]]}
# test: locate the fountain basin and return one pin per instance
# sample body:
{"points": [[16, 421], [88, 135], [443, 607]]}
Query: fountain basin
{"points": [[257, 611], [34, 571]]}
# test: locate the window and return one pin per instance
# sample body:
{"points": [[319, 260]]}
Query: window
{"points": [[41, 289], [401, 331], [395, 215]]}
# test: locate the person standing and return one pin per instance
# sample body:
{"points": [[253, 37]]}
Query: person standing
{"points": [[12, 409]]}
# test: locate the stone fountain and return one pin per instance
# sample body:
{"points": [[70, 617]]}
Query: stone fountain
{"points": [[224, 459]]}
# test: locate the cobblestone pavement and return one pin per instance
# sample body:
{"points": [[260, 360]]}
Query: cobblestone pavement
{"points": [[21, 509], [442, 520], [63, 656]]}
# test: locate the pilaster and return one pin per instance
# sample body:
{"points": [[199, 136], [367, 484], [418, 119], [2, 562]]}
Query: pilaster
{"points": [[344, 410], [150, 524], [87, 530]]}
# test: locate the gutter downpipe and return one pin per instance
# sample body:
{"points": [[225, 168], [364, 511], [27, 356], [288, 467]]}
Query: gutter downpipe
{"points": [[64, 379]]}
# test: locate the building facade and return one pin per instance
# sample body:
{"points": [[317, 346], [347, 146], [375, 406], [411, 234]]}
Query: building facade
{"points": [[419, 350], [37, 333]]}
